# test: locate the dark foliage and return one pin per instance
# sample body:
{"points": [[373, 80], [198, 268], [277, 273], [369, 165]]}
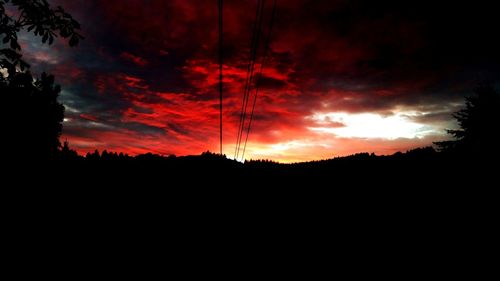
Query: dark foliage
{"points": [[35, 16], [66, 154], [32, 116], [476, 121]]}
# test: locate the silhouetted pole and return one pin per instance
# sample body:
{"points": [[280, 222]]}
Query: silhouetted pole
{"points": [[220, 71]]}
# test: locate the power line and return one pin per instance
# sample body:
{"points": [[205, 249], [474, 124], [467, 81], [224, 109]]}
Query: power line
{"points": [[250, 61], [221, 61], [250, 73], [252, 76], [257, 83]]}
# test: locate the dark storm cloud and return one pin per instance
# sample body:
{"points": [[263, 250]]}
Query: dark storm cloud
{"points": [[390, 42], [272, 83]]}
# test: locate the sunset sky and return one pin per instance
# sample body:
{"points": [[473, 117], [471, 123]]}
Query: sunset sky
{"points": [[341, 76]]}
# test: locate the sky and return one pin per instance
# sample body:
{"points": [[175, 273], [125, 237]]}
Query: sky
{"points": [[340, 77]]}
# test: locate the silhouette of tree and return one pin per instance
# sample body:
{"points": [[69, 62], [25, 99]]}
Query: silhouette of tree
{"points": [[67, 154], [35, 16], [32, 115], [476, 121], [95, 155]]}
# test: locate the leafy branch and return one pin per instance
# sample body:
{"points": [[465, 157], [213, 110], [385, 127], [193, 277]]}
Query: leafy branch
{"points": [[38, 17]]}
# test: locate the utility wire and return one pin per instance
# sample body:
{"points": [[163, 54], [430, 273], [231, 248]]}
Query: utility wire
{"points": [[250, 61], [250, 74], [257, 83], [221, 61]]}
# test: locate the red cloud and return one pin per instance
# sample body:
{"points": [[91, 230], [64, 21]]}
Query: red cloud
{"points": [[135, 59], [88, 117]]}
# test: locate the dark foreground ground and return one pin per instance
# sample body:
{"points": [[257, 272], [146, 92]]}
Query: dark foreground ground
{"points": [[418, 181], [359, 185], [431, 209]]}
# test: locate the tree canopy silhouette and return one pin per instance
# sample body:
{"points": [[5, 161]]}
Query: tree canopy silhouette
{"points": [[31, 117], [476, 121], [35, 16]]}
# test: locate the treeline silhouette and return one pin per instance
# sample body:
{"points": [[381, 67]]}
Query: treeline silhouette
{"points": [[67, 154], [418, 155]]}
